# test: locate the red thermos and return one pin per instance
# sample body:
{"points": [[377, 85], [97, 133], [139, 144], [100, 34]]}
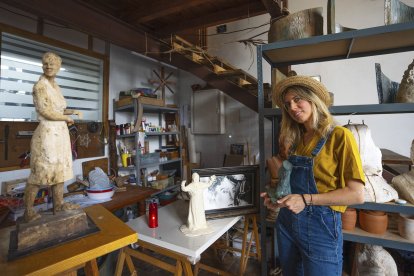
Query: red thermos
{"points": [[153, 214]]}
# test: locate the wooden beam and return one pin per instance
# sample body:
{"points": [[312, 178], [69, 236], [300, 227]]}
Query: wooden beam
{"points": [[84, 19], [151, 10], [220, 17]]}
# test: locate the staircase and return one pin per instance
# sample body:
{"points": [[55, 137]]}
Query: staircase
{"points": [[234, 82]]}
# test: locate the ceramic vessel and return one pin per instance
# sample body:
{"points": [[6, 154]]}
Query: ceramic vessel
{"points": [[349, 219], [406, 226], [375, 222], [100, 195]]}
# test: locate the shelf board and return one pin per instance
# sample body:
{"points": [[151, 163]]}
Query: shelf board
{"points": [[363, 109], [132, 135], [169, 188], [149, 165], [390, 239], [160, 163], [351, 44], [161, 133], [386, 207], [148, 108]]}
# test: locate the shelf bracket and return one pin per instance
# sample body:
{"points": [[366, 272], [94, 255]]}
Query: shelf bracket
{"points": [[350, 48]]}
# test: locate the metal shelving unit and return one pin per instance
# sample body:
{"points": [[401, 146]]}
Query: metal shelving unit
{"points": [[352, 44], [160, 110]]}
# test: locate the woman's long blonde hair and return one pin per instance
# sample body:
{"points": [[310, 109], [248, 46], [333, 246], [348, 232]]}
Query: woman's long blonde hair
{"points": [[292, 132]]}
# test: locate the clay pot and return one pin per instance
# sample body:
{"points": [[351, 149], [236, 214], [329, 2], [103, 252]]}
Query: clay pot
{"points": [[375, 222], [406, 226], [349, 219]]}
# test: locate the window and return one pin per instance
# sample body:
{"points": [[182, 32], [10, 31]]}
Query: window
{"points": [[80, 79]]}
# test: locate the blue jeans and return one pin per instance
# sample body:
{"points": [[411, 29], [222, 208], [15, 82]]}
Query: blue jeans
{"points": [[310, 243]]}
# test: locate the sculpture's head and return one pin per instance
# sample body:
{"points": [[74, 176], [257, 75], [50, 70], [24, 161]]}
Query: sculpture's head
{"points": [[51, 64], [196, 177]]}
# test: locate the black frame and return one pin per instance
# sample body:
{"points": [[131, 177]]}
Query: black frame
{"points": [[251, 174]]}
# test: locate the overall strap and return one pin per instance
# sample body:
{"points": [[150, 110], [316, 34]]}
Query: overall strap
{"points": [[321, 143]]}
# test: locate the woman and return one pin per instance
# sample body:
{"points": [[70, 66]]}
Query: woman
{"points": [[326, 176], [50, 149]]}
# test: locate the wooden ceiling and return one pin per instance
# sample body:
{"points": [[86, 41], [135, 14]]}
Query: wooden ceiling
{"points": [[165, 17], [142, 25]]}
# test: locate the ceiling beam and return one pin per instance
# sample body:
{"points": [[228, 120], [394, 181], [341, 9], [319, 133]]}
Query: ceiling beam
{"points": [[221, 17], [75, 15], [150, 10]]}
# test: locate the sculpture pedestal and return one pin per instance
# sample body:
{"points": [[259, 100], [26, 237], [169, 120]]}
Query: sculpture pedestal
{"points": [[49, 230]]}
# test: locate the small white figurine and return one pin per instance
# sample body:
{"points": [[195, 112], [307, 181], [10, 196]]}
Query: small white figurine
{"points": [[196, 223]]}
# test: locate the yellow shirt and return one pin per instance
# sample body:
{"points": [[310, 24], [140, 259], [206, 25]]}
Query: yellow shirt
{"points": [[337, 161]]}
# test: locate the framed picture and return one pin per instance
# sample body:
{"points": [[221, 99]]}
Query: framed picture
{"points": [[234, 192], [237, 149]]}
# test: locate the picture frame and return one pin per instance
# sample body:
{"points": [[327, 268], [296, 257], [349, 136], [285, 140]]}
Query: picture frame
{"points": [[235, 191], [237, 149]]}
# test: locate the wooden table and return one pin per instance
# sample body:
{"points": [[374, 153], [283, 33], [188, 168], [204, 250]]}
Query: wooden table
{"points": [[133, 195], [68, 257], [168, 240]]}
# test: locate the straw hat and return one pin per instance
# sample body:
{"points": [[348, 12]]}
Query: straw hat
{"points": [[308, 82]]}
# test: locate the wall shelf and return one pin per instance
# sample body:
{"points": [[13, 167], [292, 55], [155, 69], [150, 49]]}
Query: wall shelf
{"points": [[160, 111]]}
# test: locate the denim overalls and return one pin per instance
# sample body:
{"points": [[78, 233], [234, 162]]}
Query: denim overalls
{"points": [[310, 243]]}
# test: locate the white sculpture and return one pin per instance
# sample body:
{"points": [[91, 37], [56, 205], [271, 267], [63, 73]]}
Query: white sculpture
{"points": [[376, 187], [196, 223], [404, 183], [373, 260]]}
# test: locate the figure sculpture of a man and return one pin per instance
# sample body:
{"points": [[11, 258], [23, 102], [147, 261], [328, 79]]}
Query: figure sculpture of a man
{"points": [[50, 148], [196, 223]]}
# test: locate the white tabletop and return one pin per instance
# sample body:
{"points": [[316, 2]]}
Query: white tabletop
{"points": [[169, 236]]}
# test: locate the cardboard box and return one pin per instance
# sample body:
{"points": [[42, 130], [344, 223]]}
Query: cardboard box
{"points": [[143, 100]]}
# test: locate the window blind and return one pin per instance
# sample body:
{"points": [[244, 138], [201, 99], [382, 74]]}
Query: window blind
{"points": [[80, 79]]}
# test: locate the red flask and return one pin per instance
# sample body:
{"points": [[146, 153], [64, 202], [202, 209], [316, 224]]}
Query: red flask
{"points": [[153, 214]]}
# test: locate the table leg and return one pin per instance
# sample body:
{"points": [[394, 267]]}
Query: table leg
{"points": [[178, 268], [91, 268], [246, 248], [122, 257], [187, 268]]}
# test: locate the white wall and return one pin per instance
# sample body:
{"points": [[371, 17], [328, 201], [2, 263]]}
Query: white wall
{"points": [[352, 81]]}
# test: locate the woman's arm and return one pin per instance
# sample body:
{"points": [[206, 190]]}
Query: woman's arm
{"points": [[352, 193]]}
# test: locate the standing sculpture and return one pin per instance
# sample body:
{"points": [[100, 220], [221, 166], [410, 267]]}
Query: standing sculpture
{"points": [[51, 156], [196, 222]]}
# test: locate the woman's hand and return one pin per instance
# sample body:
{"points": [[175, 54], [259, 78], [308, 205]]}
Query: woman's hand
{"points": [[293, 202], [268, 202]]}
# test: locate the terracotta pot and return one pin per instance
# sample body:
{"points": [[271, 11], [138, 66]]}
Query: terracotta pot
{"points": [[406, 226], [375, 222], [349, 219]]}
